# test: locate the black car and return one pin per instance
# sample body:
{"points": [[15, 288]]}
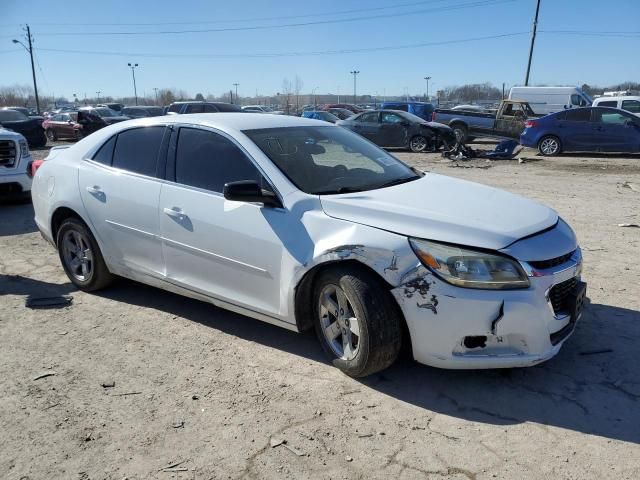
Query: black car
{"points": [[394, 128], [116, 107], [141, 112], [30, 128], [202, 107], [108, 115]]}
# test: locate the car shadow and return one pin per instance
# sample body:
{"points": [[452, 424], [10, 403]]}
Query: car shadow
{"points": [[21, 285], [592, 386], [16, 216]]}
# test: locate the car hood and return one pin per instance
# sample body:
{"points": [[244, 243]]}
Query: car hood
{"points": [[445, 209]]}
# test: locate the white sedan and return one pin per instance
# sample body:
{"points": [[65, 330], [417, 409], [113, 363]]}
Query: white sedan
{"points": [[308, 225]]}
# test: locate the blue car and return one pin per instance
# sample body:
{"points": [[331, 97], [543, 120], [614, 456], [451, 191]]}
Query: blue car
{"points": [[591, 129], [320, 115], [421, 109]]}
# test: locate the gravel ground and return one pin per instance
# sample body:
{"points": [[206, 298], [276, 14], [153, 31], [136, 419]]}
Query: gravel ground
{"points": [[211, 392]]}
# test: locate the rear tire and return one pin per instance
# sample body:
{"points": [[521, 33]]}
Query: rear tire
{"points": [[549, 146], [461, 133], [357, 321], [81, 257]]}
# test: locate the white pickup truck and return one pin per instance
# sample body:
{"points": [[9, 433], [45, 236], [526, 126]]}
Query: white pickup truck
{"points": [[15, 164]]}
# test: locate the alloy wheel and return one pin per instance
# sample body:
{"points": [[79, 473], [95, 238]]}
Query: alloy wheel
{"points": [[418, 144], [549, 146], [77, 255], [338, 322]]}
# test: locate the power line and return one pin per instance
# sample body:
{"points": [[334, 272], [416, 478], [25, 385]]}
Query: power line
{"points": [[286, 54], [480, 3], [244, 20]]}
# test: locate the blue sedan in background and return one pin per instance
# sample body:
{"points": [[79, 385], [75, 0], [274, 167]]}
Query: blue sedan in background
{"points": [[591, 129]]}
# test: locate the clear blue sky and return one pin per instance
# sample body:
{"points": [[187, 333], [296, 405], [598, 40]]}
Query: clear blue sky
{"points": [[565, 59]]}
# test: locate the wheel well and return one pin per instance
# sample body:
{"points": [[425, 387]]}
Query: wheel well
{"points": [[304, 293], [59, 216]]}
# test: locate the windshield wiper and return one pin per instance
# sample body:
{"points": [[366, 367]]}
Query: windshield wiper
{"points": [[338, 191], [398, 181]]}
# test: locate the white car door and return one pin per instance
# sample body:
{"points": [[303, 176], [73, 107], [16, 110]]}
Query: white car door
{"points": [[120, 191], [224, 249]]}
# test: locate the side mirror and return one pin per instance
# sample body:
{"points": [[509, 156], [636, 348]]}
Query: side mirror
{"points": [[250, 191]]}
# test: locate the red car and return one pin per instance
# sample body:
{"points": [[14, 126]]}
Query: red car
{"points": [[347, 106], [72, 125]]}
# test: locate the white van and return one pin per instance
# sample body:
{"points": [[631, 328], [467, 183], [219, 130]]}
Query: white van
{"points": [[545, 100], [630, 103]]}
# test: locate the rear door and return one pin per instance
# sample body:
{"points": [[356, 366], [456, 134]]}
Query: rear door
{"points": [[368, 125], [120, 189], [575, 129], [393, 132], [225, 249]]}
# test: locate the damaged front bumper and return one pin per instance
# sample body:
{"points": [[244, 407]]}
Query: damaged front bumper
{"points": [[462, 328]]}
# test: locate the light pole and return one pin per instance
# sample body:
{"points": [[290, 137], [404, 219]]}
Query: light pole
{"points": [[98, 93], [426, 95], [236, 85], [133, 74], [75, 98], [533, 41], [315, 99], [33, 69], [355, 74], [155, 89]]}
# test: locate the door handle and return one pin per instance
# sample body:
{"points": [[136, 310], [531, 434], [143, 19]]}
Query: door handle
{"points": [[95, 189], [174, 212]]}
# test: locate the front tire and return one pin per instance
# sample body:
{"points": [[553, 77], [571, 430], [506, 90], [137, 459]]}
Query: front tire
{"points": [[52, 135], [549, 146], [81, 257], [461, 133], [418, 144], [356, 320], [41, 141]]}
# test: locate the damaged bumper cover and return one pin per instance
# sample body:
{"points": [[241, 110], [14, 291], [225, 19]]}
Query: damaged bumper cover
{"points": [[462, 328]]}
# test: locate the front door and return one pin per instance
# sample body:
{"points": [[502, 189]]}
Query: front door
{"points": [[120, 191], [616, 130], [225, 249], [393, 132]]}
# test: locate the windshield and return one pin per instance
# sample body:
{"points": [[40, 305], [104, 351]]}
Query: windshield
{"points": [[105, 112], [12, 116], [329, 160]]}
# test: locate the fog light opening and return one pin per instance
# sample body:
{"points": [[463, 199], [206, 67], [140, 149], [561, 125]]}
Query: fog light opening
{"points": [[479, 341]]}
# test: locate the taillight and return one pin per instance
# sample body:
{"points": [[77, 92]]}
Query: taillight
{"points": [[33, 167], [433, 116], [530, 124]]}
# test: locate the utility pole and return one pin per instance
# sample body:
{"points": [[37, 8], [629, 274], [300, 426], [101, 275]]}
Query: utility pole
{"points": [[133, 73], [98, 92], [533, 41], [155, 89], [355, 74], [236, 85], [33, 68], [502, 90], [426, 95]]}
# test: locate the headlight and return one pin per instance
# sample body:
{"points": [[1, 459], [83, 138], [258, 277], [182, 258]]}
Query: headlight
{"points": [[470, 268], [24, 148]]}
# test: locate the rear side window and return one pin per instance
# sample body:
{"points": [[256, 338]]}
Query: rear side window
{"points": [[578, 115], [210, 109], [228, 107], [207, 160], [105, 154], [369, 117], [175, 108], [613, 104], [631, 106], [137, 150], [195, 108]]}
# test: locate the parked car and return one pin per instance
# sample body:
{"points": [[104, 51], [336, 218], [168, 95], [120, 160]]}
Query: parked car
{"points": [[141, 112], [109, 116], [347, 106], [507, 122], [116, 107], [591, 129], [15, 164], [320, 115], [341, 113], [201, 107], [30, 128], [304, 224], [419, 109], [395, 128], [545, 100], [630, 103], [73, 125]]}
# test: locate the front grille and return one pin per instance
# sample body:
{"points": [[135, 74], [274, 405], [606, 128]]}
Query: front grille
{"points": [[559, 293], [553, 262], [8, 153]]}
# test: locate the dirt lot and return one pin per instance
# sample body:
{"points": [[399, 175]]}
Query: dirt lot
{"points": [[207, 390]]}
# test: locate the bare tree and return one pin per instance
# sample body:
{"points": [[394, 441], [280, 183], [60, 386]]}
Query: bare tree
{"points": [[287, 88], [297, 87]]}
